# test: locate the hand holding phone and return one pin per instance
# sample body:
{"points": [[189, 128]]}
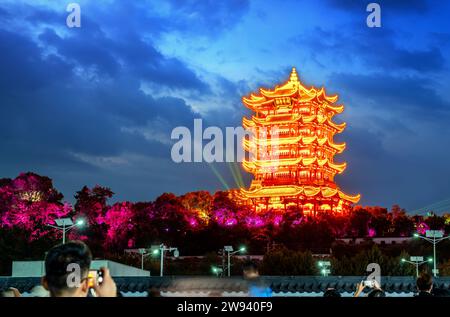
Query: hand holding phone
{"points": [[106, 287]]}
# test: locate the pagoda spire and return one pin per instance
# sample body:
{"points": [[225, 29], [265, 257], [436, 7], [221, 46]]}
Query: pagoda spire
{"points": [[294, 76]]}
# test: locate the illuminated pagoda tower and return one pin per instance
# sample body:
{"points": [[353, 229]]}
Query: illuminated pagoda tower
{"points": [[291, 150]]}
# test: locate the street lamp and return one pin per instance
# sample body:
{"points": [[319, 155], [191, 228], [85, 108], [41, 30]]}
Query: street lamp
{"points": [[216, 270], [161, 249], [324, 267], [142, 251], [229, 250], [417, 260], [434, 237], [65, 224]]}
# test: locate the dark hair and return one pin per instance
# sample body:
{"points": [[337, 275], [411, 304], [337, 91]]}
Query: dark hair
{"points": [[154, 292], [250, 266], [424, 282], [331, 292], [57, 261], [376, 293]]}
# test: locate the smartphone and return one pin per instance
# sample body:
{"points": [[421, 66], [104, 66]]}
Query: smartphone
{"points": [[92, 278], [95, 277], [369, 283], [99, 276]]}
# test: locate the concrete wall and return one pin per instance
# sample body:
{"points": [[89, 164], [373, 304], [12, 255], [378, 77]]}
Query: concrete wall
{"points": [[28, 268], [37, 269]]}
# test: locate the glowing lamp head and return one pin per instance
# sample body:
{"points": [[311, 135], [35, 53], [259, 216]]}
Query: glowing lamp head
{"points": [[430, 260], [80, 222], [242, 249], [320, 263], [416, 235], [323, 271], [403, 260], [155, 252]]}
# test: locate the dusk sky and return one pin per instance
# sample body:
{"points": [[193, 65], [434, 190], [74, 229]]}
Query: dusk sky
{"points": [[97, 104]]}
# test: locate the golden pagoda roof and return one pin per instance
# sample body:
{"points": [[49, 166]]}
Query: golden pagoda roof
{"points": [[292, 140], [258, 164], [291, 88], [292, 118], [295, 190]]}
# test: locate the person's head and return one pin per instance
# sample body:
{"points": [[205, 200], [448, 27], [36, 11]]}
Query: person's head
{"points": [[425, 283], [376, 293], [250, 269], [331, 292], [62, 264], [154, 292]]}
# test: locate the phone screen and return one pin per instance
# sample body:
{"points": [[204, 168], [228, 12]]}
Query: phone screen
{"points": [[92, 278], [369, 283]]}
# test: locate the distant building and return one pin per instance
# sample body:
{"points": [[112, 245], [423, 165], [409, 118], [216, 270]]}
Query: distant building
{"points": [[380, 240]]}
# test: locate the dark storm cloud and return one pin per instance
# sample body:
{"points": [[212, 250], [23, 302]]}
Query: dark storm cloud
{"points": [[91, 47], [207, 17], [22, 66], [404, 6], [375, 48], [412, 96], [72, 105]]}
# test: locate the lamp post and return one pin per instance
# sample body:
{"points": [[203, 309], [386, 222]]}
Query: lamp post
{"points": [[417, 260], [324, 267], [229, 250], [142, 251], [161, 249], [434, 237], [65, 224]]}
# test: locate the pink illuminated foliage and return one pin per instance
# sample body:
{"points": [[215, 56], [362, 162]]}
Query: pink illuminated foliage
{"points": [[30, 202], [198, 221], [119, 224]]}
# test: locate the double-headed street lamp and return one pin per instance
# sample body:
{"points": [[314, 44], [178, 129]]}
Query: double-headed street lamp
{"points": [[161, 249], [65, 224], [324, 267], [229, 250], [417, 260], [434, 237]]}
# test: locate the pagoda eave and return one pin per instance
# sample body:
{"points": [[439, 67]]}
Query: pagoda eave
{"points": [[295, 191]]}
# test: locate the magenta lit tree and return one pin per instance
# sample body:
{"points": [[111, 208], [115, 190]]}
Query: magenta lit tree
{"points": [[29, 202], [119, 225]]}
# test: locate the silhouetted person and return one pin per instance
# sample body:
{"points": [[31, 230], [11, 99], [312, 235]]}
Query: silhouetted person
{"points": [[440, 292], [376, 293], [154, 292], [250, 270], [331, 292], [424, 285], [60, 278], [256, 287]]}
